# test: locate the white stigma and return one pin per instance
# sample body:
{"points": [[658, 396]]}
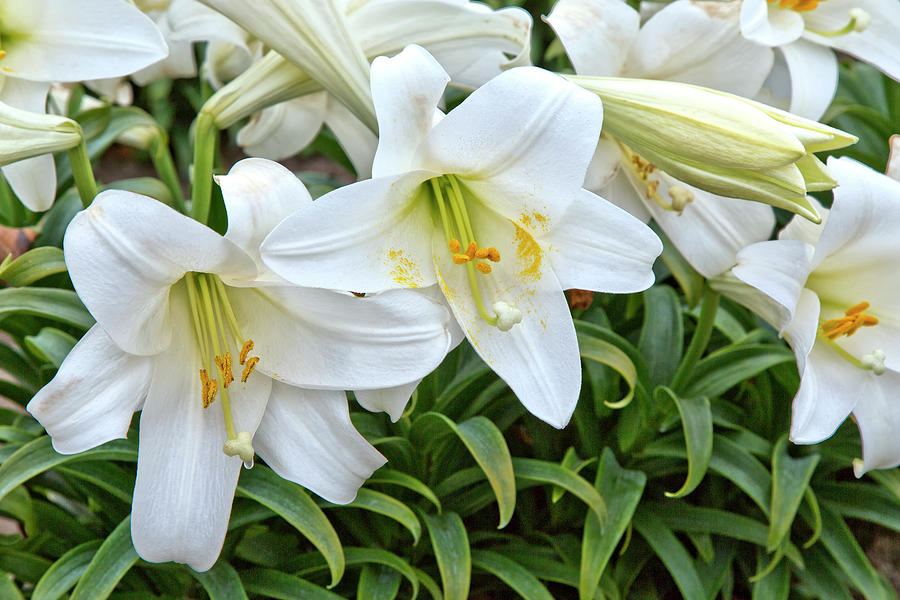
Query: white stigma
{"points": [[874, 362], [860, 18], [507, 315], [241, 446]]}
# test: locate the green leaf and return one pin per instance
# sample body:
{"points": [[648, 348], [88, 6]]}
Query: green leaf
{"points": [[859, 500], [50, 345], [292, 502], [9, 590], [486, 444], [38, 456], [384, 558], [603, 352], [32, 266], [393, 477], [58, 305], [591, 330], [221, 582], [690, 281], [670, 551], [776, 585], [12, 361], [25, 566], [623, 488], [662, 334], [113, 559], [725, 368], [451, 550], [538, 472], [378, 583], [269, 583], [696, 420], [65, 572], [512, 573], [573, 463], [790, 480], [429, 584], [387, 506]]}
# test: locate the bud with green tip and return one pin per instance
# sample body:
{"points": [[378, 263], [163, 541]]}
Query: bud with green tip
{"points": [[719, 142], [25, 134]]}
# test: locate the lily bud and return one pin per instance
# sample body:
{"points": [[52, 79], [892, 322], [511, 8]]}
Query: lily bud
{"points": [[719, 142], [25, 134]]}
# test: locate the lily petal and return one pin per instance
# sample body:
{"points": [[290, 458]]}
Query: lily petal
{"points": [[306, 437], [64, 41], [604, 165], [370, 236], [877, 419], [768, 24], [597, 34], [598, 246], [779, 269], [284, 129], [33, 179], [357, 140], [91, 399], [185, 482], [125, 252], [322, 339], [814, 77], [393, 400], [406, 90]]}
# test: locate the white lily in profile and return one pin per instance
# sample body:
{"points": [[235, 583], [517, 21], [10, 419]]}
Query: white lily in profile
{"points": [[808, 31], [223, 359], [831, 290], [485, 203], [688, 42], [47, 41]]}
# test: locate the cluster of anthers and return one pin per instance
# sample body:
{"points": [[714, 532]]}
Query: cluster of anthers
{"points": [[853, 320], [642, 169]]}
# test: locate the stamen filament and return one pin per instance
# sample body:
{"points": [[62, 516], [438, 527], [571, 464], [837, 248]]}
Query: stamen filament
{"points": [[229, 313], [457, 198], [476, 293], [438, 194], [211, 322]]}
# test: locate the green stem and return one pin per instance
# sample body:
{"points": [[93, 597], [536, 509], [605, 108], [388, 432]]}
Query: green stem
{"points": [[697, 347], [83, 173], [206, 136], [165, 168]]}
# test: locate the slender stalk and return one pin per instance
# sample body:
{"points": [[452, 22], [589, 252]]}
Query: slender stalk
{"points": [[83, 174], [708, 308], [165, 168], [206, 136]]}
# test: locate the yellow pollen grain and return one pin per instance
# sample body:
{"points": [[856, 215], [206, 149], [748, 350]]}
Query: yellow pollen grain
{"points": [[482, 253], [471, 250], [210, 388], [850, 323], [245, 351], [493, 254], [461, 259], [529, 254], [455, 246], [251, 363], [483, 267], [224, 364], [404, 271]]}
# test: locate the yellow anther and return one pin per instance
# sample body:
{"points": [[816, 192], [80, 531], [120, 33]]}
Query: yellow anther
{"points": [[2, 54], [245, 350], [210, 388], [850, 323], [224, 364], [455, 246], [483, 267], [482, 253], [493, 254], [471, 250], [248, 368], [461, 259], [797, 5]]}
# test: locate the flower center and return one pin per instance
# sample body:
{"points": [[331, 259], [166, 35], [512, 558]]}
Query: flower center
{"points": [[459, 234], [858, 18], [640, 170], [216, 331], [853, 320]]}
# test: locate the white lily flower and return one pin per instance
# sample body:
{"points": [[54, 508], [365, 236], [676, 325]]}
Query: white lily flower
{"points": [[46, 41], [223, 358], [806, 31], [486, 203], [688, 42], [831, 290]]}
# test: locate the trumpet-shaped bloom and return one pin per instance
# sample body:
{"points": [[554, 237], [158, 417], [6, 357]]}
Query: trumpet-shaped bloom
{"points": [[223, 359], [46, 41], [831, 290], [486, 203]]}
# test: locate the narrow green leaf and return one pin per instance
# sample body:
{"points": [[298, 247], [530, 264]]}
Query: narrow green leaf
{"points": [[859, 500], [512, 573], [595, 349], [670, 551], [690, 281], [776, 585], [573, 463], [384, 558], [377, 583], [35, 264], [429, 584], [269, 583], [23, 565], [486, 444], [38, 456], [451, 550], [58, 305], [387, 506], [623, 488], [221, 582], [50, 345], [65, 572], [292, 502], [393, 477], [12, 361], [790, 480], [820, 578], [113, 559], [725, 368], [9, 590], [662, 334], [539, 472], [696, 420]]}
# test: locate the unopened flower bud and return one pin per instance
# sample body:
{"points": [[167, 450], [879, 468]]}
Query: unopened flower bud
{"points": [[26, 134]]}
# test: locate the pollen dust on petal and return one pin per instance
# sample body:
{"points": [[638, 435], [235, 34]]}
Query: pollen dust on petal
{"points": [[403, 270], [529, 253], [534, 220]]}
